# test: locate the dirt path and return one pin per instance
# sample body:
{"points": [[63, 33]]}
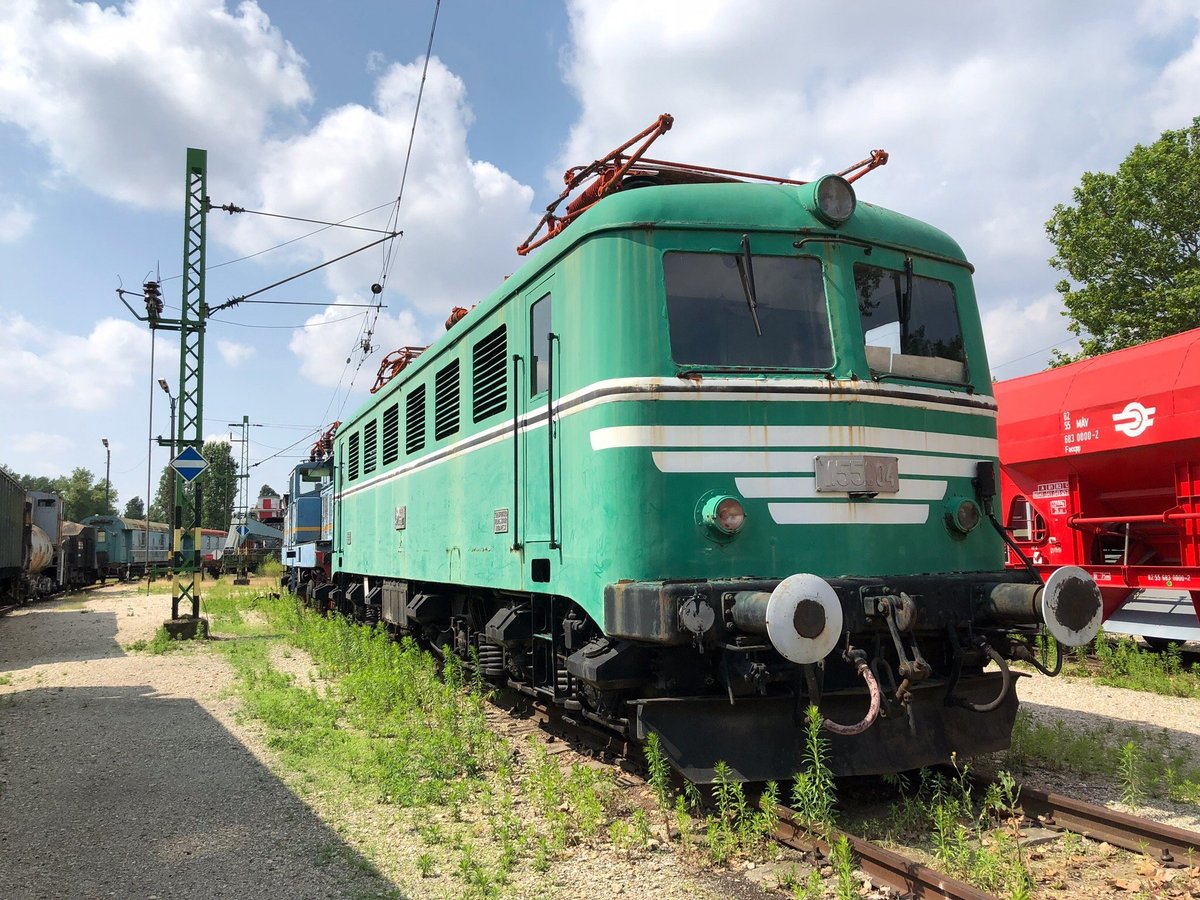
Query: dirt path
{"points": [[123, 774]]}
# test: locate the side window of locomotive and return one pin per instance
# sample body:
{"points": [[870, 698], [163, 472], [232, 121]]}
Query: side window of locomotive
{"points": [[712, 324], [910, 332], [489, 375], [540, 326]]}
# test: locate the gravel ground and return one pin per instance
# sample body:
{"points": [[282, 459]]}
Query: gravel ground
{"points": [[1083, 704], [124, 774]]}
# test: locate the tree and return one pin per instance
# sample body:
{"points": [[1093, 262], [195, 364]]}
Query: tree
{"points": [[83, 495], [1130, 245], [164, 498], [267, 491], [219, 482], [82, 492], [135, 509]]}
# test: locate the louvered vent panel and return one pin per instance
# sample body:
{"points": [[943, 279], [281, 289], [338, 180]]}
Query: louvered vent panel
{"points": [[489, 375], [352, 457], [370, 446], [445, 401], [414, 420], [391, 434]]}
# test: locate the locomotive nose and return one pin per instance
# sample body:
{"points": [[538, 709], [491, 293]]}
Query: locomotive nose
{"points": [[802, 617]]}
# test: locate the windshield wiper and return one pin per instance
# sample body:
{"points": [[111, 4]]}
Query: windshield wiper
{"points": [[906, 302], [746, 271]]}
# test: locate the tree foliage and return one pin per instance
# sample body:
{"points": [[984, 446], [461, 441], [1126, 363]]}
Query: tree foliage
{"points": [[135, 509], [82, 492], [1130, 244], [267, 491]]}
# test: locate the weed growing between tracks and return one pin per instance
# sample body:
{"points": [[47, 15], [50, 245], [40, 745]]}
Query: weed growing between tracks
{"points": [[974, 839]]}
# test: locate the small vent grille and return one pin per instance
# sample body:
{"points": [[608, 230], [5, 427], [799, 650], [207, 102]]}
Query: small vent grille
{"points": [[352, 454], [391, 434], [489, 381], [370, 446], [445, 401], [414, 420]]}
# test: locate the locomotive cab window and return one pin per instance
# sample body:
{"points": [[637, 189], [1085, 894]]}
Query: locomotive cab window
{"points": [[540, 326], [712, 323], [910, 324]]}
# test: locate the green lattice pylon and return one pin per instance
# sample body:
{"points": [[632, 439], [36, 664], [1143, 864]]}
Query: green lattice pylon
{"points": [[191, 376]]}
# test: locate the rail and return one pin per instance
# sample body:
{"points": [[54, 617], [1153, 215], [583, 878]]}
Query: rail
{"points": [[882, 865], [1170, 844]]}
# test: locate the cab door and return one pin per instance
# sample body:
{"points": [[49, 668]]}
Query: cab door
{"points": [[539, 432]]}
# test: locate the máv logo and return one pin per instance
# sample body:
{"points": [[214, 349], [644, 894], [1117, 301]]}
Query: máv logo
{"points": [[1134, 418]]}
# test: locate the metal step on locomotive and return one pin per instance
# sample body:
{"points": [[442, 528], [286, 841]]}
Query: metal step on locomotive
{"points": [[723, 448]]}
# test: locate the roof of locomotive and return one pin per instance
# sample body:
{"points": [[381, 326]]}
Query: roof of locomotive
{"points": [[739, 205], [1162, 376], [724, 206]]}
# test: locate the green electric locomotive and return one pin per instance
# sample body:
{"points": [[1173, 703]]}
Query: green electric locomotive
{"points": [[720, 451]]}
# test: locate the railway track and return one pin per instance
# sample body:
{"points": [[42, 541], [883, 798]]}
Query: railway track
{"points": [[1171, 847]]}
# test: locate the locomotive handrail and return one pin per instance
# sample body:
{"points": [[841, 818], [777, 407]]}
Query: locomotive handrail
{"points": [[516, 516], [551, 337]]}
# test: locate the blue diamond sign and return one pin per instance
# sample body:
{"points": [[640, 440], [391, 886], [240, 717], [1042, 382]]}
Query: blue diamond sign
{"points": [[189, 464], [242, 531]]}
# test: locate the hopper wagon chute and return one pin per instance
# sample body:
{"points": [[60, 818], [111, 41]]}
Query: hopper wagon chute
{"points": [[1100, 468]]}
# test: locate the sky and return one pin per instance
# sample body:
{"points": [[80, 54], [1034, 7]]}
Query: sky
{"points": [[991, 112]]}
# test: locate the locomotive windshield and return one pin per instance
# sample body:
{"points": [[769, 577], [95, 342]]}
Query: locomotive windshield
{"points": [[910, 324], [711, 324]]}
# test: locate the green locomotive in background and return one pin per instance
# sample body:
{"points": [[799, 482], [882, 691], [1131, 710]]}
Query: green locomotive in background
{"points": [[719, 451]]}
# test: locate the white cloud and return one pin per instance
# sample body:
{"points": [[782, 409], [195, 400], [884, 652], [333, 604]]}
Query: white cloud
{"points": [[15, 221], [115, 94], [42, 366], [234, 353], [1021, 334], [455, 210], [327, 343], [991, 111]]}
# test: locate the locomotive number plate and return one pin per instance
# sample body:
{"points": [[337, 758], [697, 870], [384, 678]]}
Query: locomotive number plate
{"points": [[857, 474]]}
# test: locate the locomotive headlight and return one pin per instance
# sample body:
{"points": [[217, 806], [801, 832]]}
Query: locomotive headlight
{"points": [[962, 514], [834, 200], [723, 514]]}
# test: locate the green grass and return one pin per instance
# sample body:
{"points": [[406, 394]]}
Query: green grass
{"points": [[967, 836], [1120, 661], [1149, 764]]}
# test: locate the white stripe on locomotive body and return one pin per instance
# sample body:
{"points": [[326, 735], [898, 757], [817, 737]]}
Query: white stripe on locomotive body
{"points": [[805, 488], [624, 390], [797, 480], [847, 513], [768, 437]]}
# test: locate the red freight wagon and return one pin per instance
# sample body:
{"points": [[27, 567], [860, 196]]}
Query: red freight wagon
{"points": [[1100, 468]]}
